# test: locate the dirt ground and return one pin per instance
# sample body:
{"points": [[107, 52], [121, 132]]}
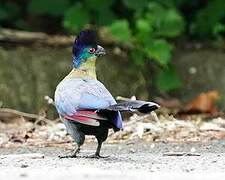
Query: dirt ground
{"points": [[138, 160], [148, 148]]}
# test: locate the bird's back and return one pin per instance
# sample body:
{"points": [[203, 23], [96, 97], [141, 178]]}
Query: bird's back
{"points": [[76, 94]]}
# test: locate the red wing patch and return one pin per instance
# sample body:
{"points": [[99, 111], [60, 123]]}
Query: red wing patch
{"points": [[86, 117]]}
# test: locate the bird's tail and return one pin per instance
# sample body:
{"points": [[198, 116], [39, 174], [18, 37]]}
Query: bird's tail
{"points": [[134, 105]]}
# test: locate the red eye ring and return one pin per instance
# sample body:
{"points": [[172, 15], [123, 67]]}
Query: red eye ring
{"points": [[91, 50]]}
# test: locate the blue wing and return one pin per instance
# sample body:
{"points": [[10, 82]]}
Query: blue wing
{"points": [[78, 94]]}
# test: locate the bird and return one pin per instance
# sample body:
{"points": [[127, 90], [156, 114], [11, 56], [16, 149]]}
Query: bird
{"points": [[84, 104]]}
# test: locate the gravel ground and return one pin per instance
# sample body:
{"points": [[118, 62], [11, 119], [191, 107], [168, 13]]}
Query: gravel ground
{"points": [[126, 161]]}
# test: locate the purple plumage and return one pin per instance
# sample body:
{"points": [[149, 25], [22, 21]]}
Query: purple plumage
{"points": [[85, 38]]}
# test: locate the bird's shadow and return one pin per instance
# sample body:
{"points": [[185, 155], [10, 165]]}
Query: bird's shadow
{"points": [[91, 157]]}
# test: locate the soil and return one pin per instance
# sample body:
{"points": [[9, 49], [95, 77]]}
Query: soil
{"points": [[138, 160]]}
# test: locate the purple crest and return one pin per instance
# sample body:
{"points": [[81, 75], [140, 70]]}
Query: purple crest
{"points": [[83, 39]]}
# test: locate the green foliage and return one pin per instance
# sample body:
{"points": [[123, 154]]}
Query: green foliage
{"points": [[98, 5], [208, 17], [134, 4], [3, 14], [137, 56], [152, 26], [75, 18], [149, 27], [9, 11], [164, 19], [167, 22], [160, 51], [218, 33], [167, 79], [120, 30], [218, 29], [103, 15], [144, 32], [48, 7]]}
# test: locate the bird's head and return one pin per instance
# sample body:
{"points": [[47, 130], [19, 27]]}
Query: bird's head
{"points": [[85, 48]]}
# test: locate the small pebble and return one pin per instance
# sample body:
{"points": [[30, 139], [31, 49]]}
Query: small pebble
{"points": [[193, 149], [152, 146], [23, 175], [132, 150], [24, 166]]}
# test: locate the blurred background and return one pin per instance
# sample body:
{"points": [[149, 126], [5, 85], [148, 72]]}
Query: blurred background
{"points": [[168, 51], [172, 52]]}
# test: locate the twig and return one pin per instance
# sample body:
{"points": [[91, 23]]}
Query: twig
{"points": [[6, 112], [27, 38], [19, 113]]}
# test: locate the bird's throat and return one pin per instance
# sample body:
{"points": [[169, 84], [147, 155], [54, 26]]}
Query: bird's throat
{"points": [[85, 71]]}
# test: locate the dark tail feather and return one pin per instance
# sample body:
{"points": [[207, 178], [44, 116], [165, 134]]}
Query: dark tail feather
{"points": [[134, 105]]}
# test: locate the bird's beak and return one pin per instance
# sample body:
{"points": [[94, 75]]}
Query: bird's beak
{"points": [[100, 51]]}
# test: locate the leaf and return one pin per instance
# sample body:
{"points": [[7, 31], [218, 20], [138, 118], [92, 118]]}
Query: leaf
{"points": [[75, 18], [120, 30], [143, 26], [167, 79], [134, 4], [48, 7], [160, 51], [167, 22], [144, 31], [218, 29], [171, 25], [204, 102], [209, 16]]}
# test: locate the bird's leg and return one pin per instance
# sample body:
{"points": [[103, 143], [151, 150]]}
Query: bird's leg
{"points": [[97, 153], [73, 155]]}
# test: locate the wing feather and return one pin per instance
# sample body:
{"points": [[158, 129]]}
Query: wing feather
{"points": [[78, 94], [74, 95]]}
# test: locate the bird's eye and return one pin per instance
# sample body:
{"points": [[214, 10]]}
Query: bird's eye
{"points": [[91, 50]]}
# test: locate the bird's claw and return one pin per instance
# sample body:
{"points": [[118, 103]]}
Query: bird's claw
{"points": [[97, 156]]}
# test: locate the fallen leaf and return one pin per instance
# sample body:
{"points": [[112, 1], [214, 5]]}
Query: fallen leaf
{"points": [[203, 103]]}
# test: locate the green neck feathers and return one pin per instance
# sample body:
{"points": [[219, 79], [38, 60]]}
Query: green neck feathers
{"points": [[85, 71]]}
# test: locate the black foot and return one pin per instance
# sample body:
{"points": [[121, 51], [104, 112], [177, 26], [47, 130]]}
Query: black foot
{"points": [[73, 155], [97, 156], [68, 156]]}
